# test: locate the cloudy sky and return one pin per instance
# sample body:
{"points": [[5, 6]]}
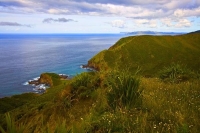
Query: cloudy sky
{"points": [[98, 16]]}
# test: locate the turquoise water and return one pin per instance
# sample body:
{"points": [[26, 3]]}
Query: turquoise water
{"points": [[24, 57]]}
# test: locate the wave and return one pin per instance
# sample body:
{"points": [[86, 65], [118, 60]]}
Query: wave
{"points": [[87, 68], [37, 78], [41, 87], [26, 83]]}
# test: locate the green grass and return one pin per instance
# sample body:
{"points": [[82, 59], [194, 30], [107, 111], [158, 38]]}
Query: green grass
{"points": [[150, 53], [172, 107], [165, 107], [176, 73], [51, 78], [10, 103], [123, 90], [11, 127], [115, 98]]}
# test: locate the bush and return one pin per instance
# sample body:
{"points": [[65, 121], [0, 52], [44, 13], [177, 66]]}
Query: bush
{"points": [[11, 127], [82, 79], [176, 73], [123, 91], [84, 84]]}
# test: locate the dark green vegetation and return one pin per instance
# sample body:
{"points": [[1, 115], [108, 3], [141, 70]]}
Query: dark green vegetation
{"points": [[51, 78], [145, 84]]}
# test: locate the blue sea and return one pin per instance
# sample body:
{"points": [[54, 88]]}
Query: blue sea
{"points": [[25, 56]]}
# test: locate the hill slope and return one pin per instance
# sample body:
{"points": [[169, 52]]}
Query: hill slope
{"points": [[198, 31], [150, 53]]}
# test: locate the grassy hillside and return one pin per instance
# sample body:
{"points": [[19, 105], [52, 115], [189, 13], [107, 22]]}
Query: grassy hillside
{"points": [[150, 53], [116, 98]]}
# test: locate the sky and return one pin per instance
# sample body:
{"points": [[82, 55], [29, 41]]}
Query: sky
{"points": [[98, 16]]}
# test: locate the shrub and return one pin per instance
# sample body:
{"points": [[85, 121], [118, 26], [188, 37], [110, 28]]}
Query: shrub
{"points": [[84, 84], [11, 127], [123, 90], [176, 73]]}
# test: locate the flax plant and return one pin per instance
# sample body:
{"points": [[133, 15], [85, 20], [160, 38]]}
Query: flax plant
{"points": [[124, 90]]}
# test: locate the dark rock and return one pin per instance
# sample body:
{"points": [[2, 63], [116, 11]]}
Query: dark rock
{"points": [[34, 82], [88, 67], [63, 76], [85, 66]]}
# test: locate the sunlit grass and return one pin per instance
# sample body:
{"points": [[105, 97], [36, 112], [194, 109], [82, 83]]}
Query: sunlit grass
{"points": [[172, 107], [165, 107]]}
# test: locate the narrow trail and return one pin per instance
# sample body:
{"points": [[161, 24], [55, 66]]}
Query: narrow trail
{"points": [[129, 41], [126, 42]]}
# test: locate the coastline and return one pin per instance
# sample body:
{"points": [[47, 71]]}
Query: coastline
{"points": [[41, 88], [32, 55], [88, 67]]}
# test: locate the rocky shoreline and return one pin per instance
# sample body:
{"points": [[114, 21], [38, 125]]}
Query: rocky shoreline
{"points": [[41, 84], [38, 81], [88, 67]]}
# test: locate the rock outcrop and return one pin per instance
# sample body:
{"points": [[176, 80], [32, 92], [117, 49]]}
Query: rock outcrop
{"points": [[48, 79]]}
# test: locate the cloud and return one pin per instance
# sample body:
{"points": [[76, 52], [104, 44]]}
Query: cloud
{"points": [[13, 24], [167, 22], [183, 23], [141, 21], [118, 23], [153, 23], [62, 20], [176, 22], [136, 9], [150, 23], [187, 12]]}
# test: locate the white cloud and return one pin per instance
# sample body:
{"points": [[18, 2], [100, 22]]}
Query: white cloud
{"points": [[57, 11], [183, 23], [131, 11], [187, 12], [141, 21], [176, 22], [167, 22], [148, 9], [147, 14], [174, 4], [118, 23], [149, 23], [153, 23]]}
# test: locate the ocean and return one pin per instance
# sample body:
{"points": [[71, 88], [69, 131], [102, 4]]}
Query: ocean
{"points": [[24, 57]]}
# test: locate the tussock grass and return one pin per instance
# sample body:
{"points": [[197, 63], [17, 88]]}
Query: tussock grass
{"points": [[123, 90], [11, 127], [176, 73], [165, 107]]}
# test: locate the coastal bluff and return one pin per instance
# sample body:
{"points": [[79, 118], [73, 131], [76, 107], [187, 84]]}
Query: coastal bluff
{"points": [[49, 79], [149, 53]]}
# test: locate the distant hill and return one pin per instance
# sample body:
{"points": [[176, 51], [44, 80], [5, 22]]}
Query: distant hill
{"points": [[150, 53], [198, 31], [153, 33]]}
